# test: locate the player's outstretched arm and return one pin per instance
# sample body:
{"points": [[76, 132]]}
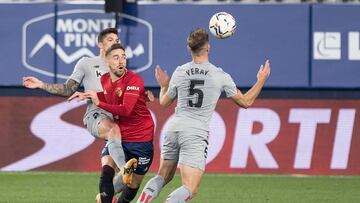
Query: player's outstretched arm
{"points": [[64, 90], [163, 80], [247, 99]]}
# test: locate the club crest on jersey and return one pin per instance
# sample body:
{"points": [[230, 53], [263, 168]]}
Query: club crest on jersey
{"points": [[105, 92], [118, 91]]}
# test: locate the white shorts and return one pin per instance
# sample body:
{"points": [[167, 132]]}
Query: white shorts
{"points": [[93, 118], [189, 148]]}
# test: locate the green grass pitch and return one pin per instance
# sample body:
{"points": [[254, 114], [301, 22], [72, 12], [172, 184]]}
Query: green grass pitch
{"points": [[58, 187]]}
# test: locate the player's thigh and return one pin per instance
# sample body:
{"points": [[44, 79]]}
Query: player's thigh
{"points": [[108, 128], [170, 148], [193, 148]]}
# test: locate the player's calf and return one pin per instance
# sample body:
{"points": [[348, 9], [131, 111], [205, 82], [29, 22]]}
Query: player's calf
{"points": [[151, 189], [182, 194], [127, 195], [106, 186]]}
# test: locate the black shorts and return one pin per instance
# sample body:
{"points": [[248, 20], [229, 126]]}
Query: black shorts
{"points": [[142, 151]]}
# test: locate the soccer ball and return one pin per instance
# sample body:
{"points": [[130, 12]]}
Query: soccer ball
{"points": [[222, 25]]}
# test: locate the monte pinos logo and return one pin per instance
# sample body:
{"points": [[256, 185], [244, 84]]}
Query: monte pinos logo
{"points": [[48, 46]]}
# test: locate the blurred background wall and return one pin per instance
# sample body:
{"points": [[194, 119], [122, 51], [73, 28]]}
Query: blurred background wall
{"points": [[305, 121]]}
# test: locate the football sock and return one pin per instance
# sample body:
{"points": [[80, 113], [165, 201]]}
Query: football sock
{"points": [[116, 151], [118, 183], [106, 185], [127, 194], [151, 189], [180, 195]]}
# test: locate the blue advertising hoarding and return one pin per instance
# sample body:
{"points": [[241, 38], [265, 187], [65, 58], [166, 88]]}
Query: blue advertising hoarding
{"points": [[155, 35], [13, 17], [306, 49], [336, 47]]}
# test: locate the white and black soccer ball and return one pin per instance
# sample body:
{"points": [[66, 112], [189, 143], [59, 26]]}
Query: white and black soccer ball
{"points": [[222, 25]]}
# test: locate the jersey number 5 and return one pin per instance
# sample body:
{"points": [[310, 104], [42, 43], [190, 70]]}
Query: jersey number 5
{"points": [[199, 92]]}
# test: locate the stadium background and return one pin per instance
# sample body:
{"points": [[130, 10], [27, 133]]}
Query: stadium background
{"points": [[305, 122]]}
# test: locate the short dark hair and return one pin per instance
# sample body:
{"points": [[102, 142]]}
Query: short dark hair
{"points": [[106, 31], [113, 47], [197, 39]]}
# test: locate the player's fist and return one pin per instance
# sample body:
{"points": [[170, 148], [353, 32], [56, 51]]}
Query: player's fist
{"points": [[32, 82], [149, 96]]}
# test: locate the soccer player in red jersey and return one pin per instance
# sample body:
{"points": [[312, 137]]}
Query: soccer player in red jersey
{"points": [[124, 96]]}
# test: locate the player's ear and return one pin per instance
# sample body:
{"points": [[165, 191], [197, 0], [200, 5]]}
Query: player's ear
{"points": [[208, 47], [100, 45]]}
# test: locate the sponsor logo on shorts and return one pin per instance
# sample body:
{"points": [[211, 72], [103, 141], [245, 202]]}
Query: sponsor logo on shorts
{"points": [[143, 160]]}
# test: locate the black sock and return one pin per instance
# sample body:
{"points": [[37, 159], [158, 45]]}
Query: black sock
{"points": [[106, 186], [127, 195]]}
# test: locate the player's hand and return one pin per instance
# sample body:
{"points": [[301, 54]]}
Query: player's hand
{"points": [[264, 72], [93, 96], [32, 82], [161, 76], [79, 95], [149, 96]]}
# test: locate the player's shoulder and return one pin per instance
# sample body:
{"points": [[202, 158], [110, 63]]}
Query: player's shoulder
{"points": [[183, 68], [89, 60], [105, 76], [134, 76], [218, 69], [220, 73]]}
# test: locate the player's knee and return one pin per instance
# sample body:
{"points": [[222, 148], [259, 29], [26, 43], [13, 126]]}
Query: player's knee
{"points": [[114, 131], [108, 129], [107, 160]]}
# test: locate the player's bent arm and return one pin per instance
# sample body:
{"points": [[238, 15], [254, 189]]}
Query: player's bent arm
{"points": [[123, 109], [65, 90], [240, 99], [247, 99], [164, 100]]}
